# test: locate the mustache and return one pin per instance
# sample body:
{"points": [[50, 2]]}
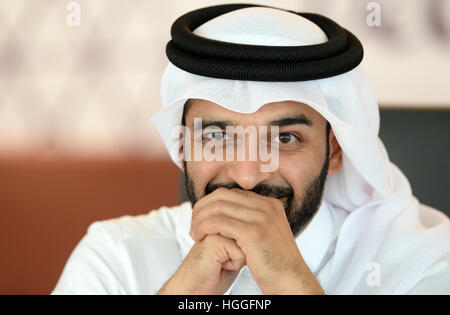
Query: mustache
{"points": [[260, 189]]}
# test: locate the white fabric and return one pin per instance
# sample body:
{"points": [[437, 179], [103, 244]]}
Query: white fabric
{"points": [[374, 192], [368, 217], [137, 254]]}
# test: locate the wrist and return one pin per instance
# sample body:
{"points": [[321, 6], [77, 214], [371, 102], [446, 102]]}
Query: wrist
{"points": [[188, 280], [299, 281]]}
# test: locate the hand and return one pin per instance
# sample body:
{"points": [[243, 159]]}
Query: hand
{"points": [[261, 230], [210, 267]]}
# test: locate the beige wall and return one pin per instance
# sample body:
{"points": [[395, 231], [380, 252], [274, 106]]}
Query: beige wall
{"points": [[90, 90]]}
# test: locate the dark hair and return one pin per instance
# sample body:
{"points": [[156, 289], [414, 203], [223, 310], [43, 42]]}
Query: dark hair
{"points": [[187, 105]]}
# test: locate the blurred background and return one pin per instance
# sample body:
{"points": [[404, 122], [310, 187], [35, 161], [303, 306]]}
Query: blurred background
{"points": [[79, 82]]}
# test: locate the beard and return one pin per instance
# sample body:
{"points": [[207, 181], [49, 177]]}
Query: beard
{"points": [[299, 209]]}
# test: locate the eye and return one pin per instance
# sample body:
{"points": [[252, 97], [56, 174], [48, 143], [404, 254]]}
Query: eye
{"points": [[215, 136], [287, 138]]}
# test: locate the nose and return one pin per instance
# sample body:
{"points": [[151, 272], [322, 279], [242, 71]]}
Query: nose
{"points": [[247, 174]]}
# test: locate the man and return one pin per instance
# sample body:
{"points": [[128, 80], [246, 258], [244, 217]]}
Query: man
{"points": [[317, 209]]}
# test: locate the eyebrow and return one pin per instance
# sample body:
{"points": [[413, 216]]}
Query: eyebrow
{"points": [[222, 124], [298, 119]]}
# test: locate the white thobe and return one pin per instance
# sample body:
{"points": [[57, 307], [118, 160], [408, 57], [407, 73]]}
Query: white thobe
{"points": [[138, 254]]}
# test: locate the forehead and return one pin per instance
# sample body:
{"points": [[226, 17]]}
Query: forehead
{"points": [[206, 109]]}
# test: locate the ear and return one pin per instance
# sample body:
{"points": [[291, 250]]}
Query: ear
{"points": [[335, 154]]}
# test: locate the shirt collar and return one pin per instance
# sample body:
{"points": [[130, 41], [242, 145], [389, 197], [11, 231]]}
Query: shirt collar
{"points": [[315, 240]]}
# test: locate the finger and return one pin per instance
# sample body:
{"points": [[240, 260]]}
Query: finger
{"points": [[222, 225], [260, 202], [234, 265], [237, 258], [230, 209], [259, 199], [228, 195], [225, 251]]}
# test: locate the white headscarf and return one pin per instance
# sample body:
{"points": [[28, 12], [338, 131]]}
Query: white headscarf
{"points": [[383, 214]]}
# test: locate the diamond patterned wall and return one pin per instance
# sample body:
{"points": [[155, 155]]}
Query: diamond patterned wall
{"points": [[80, 90]]}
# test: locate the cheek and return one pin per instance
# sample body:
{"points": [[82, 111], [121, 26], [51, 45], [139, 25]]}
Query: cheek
{"points": [[201, 173], [299, 169]]}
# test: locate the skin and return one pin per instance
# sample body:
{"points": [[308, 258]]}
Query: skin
{"points": [[236, 227]]}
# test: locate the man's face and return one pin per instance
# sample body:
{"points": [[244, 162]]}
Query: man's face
{"points": [[306, 153]]}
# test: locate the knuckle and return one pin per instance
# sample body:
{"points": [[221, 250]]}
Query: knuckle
{"points": [[214, 208], [219, 204], [256, 234], [232, 206], [263, 218]]}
